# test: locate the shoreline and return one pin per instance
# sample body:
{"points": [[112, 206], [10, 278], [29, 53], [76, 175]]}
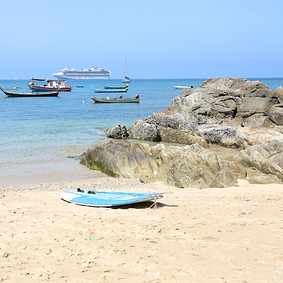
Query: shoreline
{"points": [[209, 235]]}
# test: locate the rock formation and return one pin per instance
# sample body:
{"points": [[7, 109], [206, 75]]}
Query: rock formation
{"points": [[188, 166], [223, 97], [225, 111]]}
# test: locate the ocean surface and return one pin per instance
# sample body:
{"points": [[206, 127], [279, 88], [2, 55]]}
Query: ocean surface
{"points": [[41, 136]]}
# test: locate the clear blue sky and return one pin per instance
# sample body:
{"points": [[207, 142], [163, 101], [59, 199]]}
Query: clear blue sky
{"points": [[161, 38]]}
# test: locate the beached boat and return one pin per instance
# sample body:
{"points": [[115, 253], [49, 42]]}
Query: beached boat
{"points": [[31, 94], [116, 87], [135, 99], [182, 87], [110, 90], [125, 78], [106, 199], [59, 85]]}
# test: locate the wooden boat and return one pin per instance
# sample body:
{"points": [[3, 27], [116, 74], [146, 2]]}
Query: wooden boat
{"points": [[106, 199], [31, 94], [59, 85], [116, 87], [120, 99], [125, 78], [110, 90]]}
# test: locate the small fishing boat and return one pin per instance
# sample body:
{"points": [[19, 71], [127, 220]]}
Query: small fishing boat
{"points": [[182, 87], [31, 94], [106, 199], [59, 85], [12, 88], [116, 87], [125, 78], [121, 99], [110, 90]]}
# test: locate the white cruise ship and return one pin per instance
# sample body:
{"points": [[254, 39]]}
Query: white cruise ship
{"points": [[89, 74]]}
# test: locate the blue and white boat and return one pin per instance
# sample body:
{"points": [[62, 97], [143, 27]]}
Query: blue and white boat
{"points": [[106, 199]]}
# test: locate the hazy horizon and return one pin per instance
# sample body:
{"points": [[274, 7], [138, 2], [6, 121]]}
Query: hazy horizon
{"points": [[161, 39]]}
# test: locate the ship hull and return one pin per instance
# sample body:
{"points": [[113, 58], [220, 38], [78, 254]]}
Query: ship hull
{"points": [[81, 77]]}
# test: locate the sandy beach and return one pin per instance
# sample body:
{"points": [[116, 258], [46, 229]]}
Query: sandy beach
{"points": [[212, 235]]}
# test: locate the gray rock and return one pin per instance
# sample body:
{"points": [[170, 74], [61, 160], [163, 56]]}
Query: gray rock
{"points": [[267, 158], [221, 135], [188, 166], [276, 114], [144, 131], [118, 132], [223, 97], [279, 91], [180, 136], [121, 159], [163, 120]]}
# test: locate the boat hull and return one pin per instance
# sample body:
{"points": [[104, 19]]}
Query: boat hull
{"points": [[107, 199], [181, 87], [81, 77], [31, 94], [110, 90], [126, 81], [115, 100], [116, 87], [46, 88]]}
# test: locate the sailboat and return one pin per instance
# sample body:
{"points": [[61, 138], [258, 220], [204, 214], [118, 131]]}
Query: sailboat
{"points": [[126, 79]]}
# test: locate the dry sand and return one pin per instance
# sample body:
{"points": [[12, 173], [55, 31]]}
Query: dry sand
{"points": [[212, 235]]}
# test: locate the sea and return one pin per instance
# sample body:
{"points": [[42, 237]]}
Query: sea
{"points": [[41, 138]]}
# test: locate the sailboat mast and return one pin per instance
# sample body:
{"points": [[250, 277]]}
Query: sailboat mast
{"points": [[125, 67]]}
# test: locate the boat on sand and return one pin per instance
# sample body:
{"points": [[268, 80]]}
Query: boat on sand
{"points": [[106, 199]]}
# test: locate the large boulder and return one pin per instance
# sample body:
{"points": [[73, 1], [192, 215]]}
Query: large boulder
{"points": [[276, 114], [121, 159], [142, 130], [118, 132], [267, 158], [187, 166], [181, 137], [279, 91], [228, 97]]}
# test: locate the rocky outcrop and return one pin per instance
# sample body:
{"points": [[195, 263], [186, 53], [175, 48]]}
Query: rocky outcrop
{"points": [[276, 114], [216, 111], [187, 166], [267, 158], [118, 132], [181, 137], [120, 159], [223, 97], [225, 111], [142, 130]]}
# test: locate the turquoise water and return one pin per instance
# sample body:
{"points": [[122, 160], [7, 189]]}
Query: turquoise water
{"points": [[38, 134]]}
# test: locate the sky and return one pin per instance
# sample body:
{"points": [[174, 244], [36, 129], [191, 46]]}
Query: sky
{"points": [[162, 39]]}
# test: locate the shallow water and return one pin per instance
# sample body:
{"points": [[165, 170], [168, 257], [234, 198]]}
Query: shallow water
{"points": [[38, 134]]}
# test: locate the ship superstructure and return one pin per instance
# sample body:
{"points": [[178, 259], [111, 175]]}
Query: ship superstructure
{"points": [[92, 73]]}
